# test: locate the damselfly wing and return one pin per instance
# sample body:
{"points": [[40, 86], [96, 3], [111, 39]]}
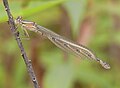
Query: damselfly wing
{"points": [[60, 41]]}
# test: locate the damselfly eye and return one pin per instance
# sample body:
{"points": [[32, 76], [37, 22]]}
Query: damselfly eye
{"points": [[18, 20]]}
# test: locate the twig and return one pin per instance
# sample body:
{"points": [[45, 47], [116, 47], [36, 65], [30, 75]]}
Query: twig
{"points": [[23, 53]]}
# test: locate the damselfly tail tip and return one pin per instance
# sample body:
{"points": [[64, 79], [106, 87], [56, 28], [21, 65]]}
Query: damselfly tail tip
{"points": [[104, 64]]}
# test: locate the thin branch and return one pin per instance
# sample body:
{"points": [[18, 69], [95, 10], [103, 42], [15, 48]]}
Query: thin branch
{"points": [[23, 53]]}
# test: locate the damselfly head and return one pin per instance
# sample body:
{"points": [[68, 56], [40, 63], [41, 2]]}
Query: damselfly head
{"points": [[18, 20]]}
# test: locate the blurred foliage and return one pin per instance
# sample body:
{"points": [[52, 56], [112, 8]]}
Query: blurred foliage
{"points": [[97, 22]]}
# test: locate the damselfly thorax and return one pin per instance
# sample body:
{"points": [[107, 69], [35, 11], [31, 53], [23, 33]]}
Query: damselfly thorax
{"points": [[60, 41]]}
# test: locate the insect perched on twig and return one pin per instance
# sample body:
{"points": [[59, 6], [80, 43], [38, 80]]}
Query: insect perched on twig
{"points": [[60, 41]]}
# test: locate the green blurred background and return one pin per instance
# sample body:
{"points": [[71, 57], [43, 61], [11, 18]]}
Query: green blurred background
{"points": [[93, 23]]}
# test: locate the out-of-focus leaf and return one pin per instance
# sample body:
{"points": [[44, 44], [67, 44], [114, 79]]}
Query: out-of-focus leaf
{"points": [[102, 7], [75, 11], [19, 73], [52, 57], [102, 31], [10, 46], [60, 76], [31, 8], [36, 6]]}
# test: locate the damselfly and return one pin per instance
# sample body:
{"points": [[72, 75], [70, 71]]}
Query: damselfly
{"points": [[60, 41]]}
